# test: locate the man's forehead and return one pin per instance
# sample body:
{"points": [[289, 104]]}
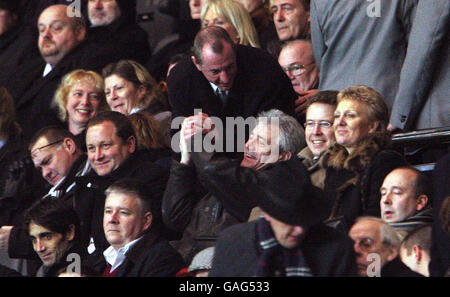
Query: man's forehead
{"points": [[212, 59], [37, 229], [54, 14], [284, 2], [365, 228], [36, 151]]}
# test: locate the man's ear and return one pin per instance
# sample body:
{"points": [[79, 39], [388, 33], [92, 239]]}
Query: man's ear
{"points": [[81, 34], [69, 145], [196, 63], [131, 143], [285, 156], [393, 253], [421, 202], [70, 235], [148, 218], [417, 253]]}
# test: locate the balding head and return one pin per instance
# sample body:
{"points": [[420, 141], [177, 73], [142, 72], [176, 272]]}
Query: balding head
{"points": [[403, 193], [59, 32], [298, 54]]}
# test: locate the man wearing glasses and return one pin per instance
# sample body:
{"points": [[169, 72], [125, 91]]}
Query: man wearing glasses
{"points": [[57, 156], [297, 60], [319, 133], [376, 245]]}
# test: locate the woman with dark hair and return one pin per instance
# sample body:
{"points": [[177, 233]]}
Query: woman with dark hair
{"points": [[357, 164], [130, 88], [151, 139], [12, 146]]}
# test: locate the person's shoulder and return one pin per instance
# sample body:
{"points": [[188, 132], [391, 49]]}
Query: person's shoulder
{"points": [[237, 231], [322, 235], [249, 54], [389, 157]]}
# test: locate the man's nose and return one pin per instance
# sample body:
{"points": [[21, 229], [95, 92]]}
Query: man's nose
{"points": [[98, 4], [386, 199], [46, 172], [279, 15], [317, 130], [39, 246]]}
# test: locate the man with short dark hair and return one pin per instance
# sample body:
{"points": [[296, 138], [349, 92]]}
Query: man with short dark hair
{"points": [[57, 156], [319, 133], [132, 225], [111, 150], [405, 196], [415, 250], [291, 18], [53, 228]]}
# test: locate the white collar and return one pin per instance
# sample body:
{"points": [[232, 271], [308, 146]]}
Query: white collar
{"points": [[3, 142], [48, 68], [115, 257]]}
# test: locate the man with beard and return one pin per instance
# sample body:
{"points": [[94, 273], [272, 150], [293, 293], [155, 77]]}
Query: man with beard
{"points": [[113, 24]]}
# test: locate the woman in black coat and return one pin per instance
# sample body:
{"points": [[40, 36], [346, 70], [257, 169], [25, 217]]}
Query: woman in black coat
{"points": [[359, 161]]}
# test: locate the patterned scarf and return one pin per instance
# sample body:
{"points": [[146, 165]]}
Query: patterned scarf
{"points": [[276, 260]]}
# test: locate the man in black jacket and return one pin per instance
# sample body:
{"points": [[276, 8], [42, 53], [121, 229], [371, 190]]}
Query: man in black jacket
{"points": [[113, 24], [376, 245], [207, 192], [111, 149], [55, 152], [63, 47], [289, 239], [17, 40], [224, 80], [54, 231], [132, 226]]}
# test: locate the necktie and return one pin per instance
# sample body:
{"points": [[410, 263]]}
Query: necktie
{"points": [[222, 95]]}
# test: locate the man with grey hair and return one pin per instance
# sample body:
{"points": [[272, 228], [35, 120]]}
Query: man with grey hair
{"points": [[376, 245], [208, 192], [63, 47]]}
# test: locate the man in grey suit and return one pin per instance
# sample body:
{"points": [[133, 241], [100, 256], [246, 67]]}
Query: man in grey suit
{"points": [[422, 99], [361, 42]]}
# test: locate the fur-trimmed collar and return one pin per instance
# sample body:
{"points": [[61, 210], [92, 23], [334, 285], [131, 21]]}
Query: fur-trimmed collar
{"points": [[339, 158]]}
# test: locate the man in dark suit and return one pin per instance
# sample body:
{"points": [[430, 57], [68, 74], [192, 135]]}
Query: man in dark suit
{"points": [[63, 48], [289, 240], [112, 154], [224, 80], [17, 40], [132, 226], [113, 24]]}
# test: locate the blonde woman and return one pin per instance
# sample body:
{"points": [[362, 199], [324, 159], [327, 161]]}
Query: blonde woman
{"points": [[233, 17], [79, 98]]}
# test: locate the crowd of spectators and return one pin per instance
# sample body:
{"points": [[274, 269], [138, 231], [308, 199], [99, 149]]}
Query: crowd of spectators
{"points": [[254, 141]]}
